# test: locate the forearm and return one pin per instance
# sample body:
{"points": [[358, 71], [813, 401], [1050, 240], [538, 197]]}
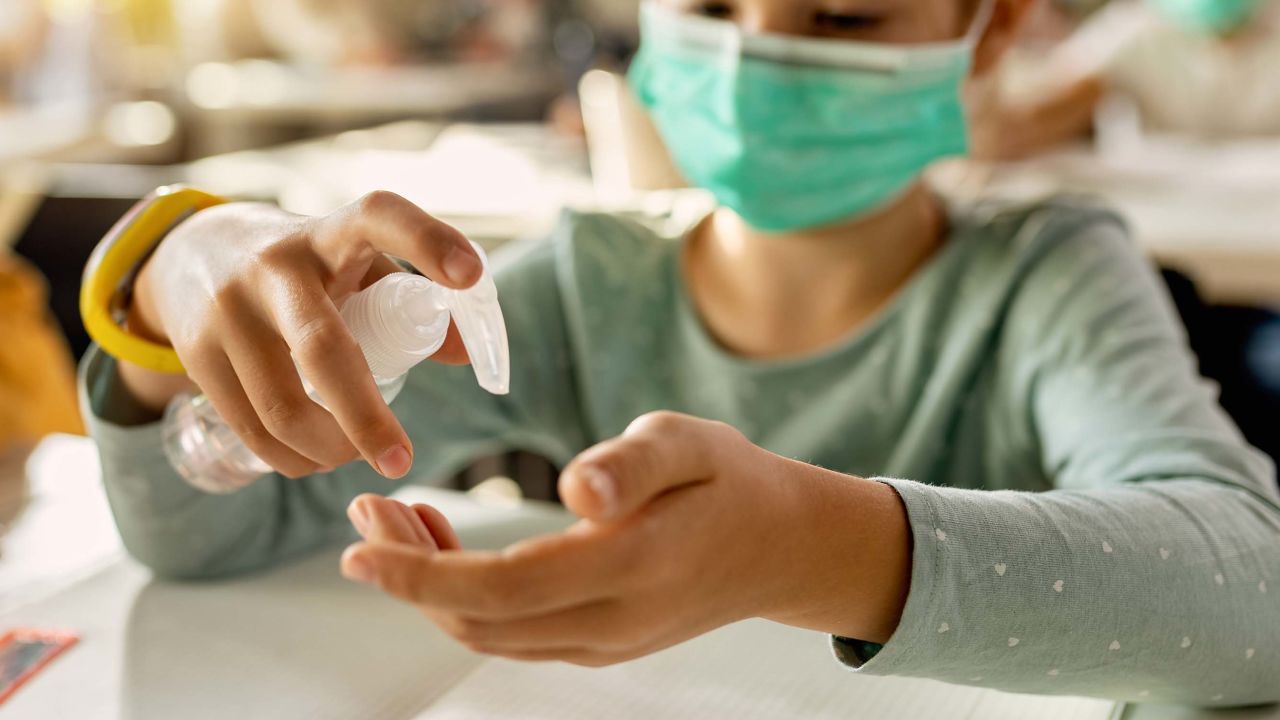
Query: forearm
{"points": [[1155, 591]]}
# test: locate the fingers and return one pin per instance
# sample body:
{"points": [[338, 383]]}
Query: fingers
{"points": [[270, 379], [594, 635], [380, 519], [530, 578], [331, 360], [452, 352], [381, 267], [441, 530], [658, 452], [601, 625], [217, 380], [387, 223]]}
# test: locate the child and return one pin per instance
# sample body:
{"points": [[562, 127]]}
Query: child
{"points": [[831, 310]]}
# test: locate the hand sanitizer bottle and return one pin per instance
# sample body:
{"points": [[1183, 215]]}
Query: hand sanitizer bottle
{"points": [[398, 322]]}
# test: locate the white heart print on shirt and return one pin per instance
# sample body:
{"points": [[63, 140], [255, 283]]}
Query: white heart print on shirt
{"points": [[1000, 568]]}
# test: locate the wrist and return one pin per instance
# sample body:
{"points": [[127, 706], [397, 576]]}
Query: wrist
{"points": [[852, 564], [141, 317]]}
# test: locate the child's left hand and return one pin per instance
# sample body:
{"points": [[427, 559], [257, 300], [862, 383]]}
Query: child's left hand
{"points": [[686, 526]]}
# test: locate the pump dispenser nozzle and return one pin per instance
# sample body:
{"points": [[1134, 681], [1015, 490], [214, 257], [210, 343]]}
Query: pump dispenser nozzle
{"points": [[478, 316]]}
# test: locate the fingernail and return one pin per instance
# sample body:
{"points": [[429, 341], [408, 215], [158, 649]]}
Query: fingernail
{"points": [[358, 568], [605, 488], [394, 462], [461, 266]]}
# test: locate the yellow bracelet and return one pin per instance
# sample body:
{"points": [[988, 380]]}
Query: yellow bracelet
{"points": [[108, 276]]}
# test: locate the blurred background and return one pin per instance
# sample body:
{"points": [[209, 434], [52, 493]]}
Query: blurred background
{"points": [[493, 114]]}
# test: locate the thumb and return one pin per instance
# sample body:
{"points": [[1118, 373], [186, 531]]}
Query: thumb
{"points": [[657, 453], [395, 568]]}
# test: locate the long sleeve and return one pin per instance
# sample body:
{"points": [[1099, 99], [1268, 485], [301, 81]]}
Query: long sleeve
{"points": [[182, 532], [1151, 572]]}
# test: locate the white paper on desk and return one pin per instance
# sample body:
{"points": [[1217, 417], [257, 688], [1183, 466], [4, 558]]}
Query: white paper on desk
{"points": [[753, 669]]}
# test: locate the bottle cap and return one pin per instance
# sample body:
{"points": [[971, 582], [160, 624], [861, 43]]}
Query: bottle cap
{"points": [[402, 319], [478, 316]]}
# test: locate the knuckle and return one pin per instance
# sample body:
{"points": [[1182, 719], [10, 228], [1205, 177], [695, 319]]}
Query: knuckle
{"points": [[296, 473], [319, 338], [659, 422], [724, 430], [228, 299], [281, 415], [640, 457], [277, 258], [377, 201], [253, 434]]}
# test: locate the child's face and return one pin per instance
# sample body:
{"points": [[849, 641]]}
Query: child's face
{"points": [[882, 21]]}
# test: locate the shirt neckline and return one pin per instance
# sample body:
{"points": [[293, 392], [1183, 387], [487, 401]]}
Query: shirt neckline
{"points": [[852, 342]]}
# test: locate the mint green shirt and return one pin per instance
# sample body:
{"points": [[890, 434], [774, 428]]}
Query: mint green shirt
{"points": [[1085, 518]]}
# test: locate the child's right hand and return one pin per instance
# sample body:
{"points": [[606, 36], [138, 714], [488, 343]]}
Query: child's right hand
{"points": [[242, 291]]}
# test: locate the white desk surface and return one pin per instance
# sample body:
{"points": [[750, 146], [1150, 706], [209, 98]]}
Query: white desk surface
{"points": [[212, 649]]}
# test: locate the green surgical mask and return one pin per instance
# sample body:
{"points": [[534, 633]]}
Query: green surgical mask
{"points": [[1210, 16], [794, 132]]}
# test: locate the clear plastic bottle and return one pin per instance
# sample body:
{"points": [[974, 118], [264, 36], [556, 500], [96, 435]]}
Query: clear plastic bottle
{"points": [[398, 322]]}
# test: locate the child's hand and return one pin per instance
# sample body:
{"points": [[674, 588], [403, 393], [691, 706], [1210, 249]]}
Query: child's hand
{"points": [[242, 291], [383, 520], [686, 526]]}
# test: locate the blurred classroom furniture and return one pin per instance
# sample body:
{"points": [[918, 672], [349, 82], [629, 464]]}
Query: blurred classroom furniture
{"points": [[272, 643], [251, 103]]}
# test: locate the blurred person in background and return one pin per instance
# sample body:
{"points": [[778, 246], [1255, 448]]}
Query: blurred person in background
{"points": [[831, 308], [1197, 68]]}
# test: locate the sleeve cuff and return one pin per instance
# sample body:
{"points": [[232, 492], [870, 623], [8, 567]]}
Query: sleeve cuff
{"points": [[900, 654], [129, 438], [854, 653]]}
